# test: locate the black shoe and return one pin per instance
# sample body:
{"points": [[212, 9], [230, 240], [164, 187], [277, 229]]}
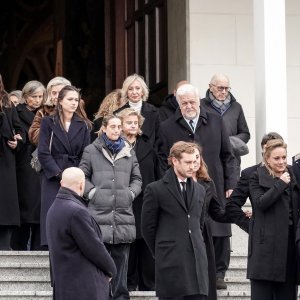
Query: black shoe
{"points": [[131, 288], [221, 285]]}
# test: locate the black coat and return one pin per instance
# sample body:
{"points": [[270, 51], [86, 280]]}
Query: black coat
{"points": [[215, 211], [234, 120], [29, 184], [66, 151], [146, 157], [212, 135], [269, 228], [238, 198], [80, 263], [296, 167], [168, 107], [9, 205], [173, 234]]}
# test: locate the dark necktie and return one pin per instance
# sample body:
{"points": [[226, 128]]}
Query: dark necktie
{"points": [[184, 194], [192, 125]]}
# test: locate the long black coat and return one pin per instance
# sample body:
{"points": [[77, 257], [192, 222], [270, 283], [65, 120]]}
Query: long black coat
{"points": [[173, 234], [66, 151], [80, 262], [239, 197], [29, 184], [269, 228], [9, 205], [215, 211], [212, 135], [234, 120], [146, 157]]}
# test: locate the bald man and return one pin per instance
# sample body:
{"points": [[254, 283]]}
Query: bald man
{"points": [[80, 264]]}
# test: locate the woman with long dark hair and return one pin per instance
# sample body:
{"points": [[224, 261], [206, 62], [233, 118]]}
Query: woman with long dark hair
{"points": [[62, 139]]}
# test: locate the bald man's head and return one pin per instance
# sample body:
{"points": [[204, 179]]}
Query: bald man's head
{"points": [[73, 179]]}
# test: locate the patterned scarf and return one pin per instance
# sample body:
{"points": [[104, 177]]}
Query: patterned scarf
{"points": [[113, 146], [220, 106]]}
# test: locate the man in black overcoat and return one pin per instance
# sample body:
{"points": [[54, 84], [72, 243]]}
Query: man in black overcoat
{"points": [[172, 220], [81, 266], [192, 124]]}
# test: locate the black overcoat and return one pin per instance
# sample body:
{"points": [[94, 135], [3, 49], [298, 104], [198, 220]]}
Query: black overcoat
{"points": [[29, 183], [173, 234], [9, 206], [66, 151], [146, 157], [269, 228], [239, 197], [80, 262], [215, 211], [212, 135], [234, 120]]}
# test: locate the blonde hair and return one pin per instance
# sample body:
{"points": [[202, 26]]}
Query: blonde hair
{"points": [[54, 82], [128, 81], [131, 112], [109, 104], [178, 148], [267, 150]]}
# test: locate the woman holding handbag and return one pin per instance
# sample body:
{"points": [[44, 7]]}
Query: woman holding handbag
{"points": [[68, 131]]}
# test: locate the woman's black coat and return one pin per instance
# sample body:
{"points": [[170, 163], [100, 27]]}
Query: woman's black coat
{"points": [[29, 185], [9, 206], [269, 226], [66, 151], [215, 211]]}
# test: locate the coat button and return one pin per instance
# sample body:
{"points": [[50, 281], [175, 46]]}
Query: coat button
{"points": [[113, 180], [190, 231], [189, 216]]}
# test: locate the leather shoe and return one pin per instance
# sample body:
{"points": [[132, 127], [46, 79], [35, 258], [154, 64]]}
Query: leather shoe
{"points": [[221, 285]]}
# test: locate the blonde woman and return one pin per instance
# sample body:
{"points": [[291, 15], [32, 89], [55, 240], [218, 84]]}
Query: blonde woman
{"points": [[273, 260], [135, 93]]}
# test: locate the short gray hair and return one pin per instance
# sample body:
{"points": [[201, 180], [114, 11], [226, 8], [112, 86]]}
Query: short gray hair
{"points": [[219, 77], [187, 89]]}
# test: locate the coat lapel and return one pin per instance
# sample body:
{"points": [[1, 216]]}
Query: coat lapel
{"points": [[172, 186], [75, 127], [142, 149], [60, 133]]}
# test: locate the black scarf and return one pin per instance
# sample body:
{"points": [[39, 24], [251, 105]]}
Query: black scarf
{"points": [[113, 146]]}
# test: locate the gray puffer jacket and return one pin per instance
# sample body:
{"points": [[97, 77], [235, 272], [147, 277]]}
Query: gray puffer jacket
{"points": [[111, 185]]}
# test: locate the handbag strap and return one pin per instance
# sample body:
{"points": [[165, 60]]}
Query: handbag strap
{"points": [[50, 145]]}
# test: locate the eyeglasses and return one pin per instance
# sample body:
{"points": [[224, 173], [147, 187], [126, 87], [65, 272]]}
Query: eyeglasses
{"points": [[221, 88]]}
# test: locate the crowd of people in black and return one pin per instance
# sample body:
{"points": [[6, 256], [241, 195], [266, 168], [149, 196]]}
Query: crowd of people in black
{"points": [[163, 184]]}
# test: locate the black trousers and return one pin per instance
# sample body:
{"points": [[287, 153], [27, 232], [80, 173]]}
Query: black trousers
{"points": [[222, 255], [272, 290], [26, 237], [120, 255], [141, 267], [5, 237]]}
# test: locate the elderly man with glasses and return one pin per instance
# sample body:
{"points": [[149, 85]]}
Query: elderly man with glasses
{"points": [[220, 101]]}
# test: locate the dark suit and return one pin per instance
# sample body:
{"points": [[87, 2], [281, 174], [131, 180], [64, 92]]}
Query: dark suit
{"points": [[173, 233], [80, 262], [66, 151]]}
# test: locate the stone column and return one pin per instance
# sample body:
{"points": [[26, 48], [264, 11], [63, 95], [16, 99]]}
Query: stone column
{"points": [[270, 69]]}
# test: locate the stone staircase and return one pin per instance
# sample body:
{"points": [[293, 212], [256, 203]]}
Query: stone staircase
{"points": [[25, 275]]}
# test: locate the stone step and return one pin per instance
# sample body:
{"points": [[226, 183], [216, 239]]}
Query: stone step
{"points": [[24, 269], [21, 283], [24, 257], [26, 295]]}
